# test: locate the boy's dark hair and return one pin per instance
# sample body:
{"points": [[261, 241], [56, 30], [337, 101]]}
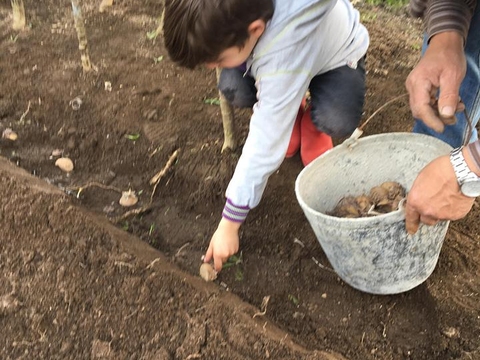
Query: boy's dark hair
{"points": [[197, 31]]}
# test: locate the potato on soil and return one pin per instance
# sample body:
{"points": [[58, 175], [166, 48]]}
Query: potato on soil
{"points": [[65, 164], [128, 198], [207, 272]]}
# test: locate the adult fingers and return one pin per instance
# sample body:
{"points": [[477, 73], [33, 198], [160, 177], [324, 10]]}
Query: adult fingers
{"points": [[452, 120], [430, 117], [447, 120], [422, 97], [412, 219], [449, 96], [428, 220]]}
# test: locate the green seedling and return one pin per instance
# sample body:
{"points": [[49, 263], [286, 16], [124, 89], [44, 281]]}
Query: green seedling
{"points": [[416, 47], [293, 299], [132, 137], [212, 101], [151, 230], [156, 60], [152, 35], [239, 275], [13, 38], [125, 226], [235, 260], [368, 17]]}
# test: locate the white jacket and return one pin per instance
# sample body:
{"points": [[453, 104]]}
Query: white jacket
{"points": [[303, 39]]}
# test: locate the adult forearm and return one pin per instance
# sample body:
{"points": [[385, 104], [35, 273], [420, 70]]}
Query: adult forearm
{"points": [[444, 15]]}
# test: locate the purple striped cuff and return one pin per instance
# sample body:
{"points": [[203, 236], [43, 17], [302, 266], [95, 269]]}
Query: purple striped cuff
{"points": [[235, 213]]}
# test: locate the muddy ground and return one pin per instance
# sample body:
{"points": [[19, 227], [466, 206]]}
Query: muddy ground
{"points": [[77, 283]]}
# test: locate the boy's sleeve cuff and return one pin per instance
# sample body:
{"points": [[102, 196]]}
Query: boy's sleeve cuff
{"points": [[235, 213]]}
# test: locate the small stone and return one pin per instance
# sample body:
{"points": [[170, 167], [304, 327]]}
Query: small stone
{"points": [[57, 152], [8, 304], [298, 315], [451, 333], [9, 134], [324, 295], [100, 349]]}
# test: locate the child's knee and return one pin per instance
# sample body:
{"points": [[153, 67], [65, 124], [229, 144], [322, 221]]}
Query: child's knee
{"points": [[236, 98], [237, 89], [336, 123]]}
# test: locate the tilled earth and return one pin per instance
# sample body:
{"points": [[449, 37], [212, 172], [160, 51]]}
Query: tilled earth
{"points": [[77, 283]]}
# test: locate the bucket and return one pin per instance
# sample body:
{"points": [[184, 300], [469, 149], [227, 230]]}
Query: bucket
{"points": [[372, 254]]}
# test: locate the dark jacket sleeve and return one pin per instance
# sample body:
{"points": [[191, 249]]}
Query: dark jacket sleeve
{"points": [[444, 15]]}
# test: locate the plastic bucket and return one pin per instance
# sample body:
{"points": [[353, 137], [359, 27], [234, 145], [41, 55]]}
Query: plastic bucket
{"points": [[374, 254]]}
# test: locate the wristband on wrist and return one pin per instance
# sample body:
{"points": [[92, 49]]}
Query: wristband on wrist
{"points": [[474, 151], [234, 212]]}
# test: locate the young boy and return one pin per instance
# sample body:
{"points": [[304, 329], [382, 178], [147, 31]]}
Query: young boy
{"points": [[289, 46]]}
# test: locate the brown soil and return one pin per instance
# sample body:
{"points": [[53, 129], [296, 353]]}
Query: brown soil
{"points": [[76, 283]]}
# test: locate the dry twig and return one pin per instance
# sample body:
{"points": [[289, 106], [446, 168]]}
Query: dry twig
{"points": [[264, 305], [381, 108], [155, 180], [132, 212], [25, 113], [94, 184]]}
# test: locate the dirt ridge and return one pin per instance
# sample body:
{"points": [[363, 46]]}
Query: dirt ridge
{"points": [[145, 289]]}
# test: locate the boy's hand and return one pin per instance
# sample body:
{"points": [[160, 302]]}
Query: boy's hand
{"points": [[224, 243]]}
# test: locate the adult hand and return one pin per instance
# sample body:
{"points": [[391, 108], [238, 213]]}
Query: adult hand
{"points": [[435, 195], [224, 243], [443, 68]]}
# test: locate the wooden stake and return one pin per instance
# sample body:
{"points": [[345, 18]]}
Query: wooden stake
{"points": [[82, 35], [18, 10], [105, 4], [229, 140]]}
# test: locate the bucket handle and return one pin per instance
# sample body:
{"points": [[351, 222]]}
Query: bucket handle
{"points": [[352, 140]]}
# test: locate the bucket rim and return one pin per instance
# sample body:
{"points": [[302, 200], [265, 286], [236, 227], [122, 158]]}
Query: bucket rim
{"points": [[393, 216]]}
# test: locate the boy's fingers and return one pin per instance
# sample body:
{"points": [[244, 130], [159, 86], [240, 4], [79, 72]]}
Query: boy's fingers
{"points": [[217, 263], [208, 254]]}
